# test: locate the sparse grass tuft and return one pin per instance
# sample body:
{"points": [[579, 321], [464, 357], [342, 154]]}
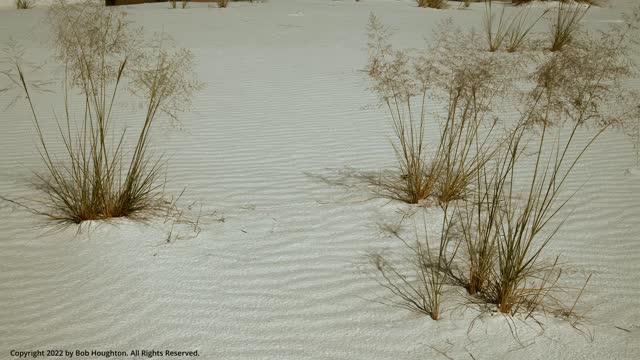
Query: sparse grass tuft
{"points": [[434, 4], [513, 30], [507, 226], [407, 84], [393, 80], [25, 4], [566, 24], [419, 288], [480, 234], [521, 221], [95, 177], [519, 29], [222, 3], [495, 33], [466, 144], [503, 220]]}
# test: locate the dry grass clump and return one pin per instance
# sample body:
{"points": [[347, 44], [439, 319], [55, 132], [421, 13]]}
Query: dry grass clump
{"points": [[407, 84], [174, 3], [396, 84], [87, 184], [480, 237], [505, 225], [510, 31], [520, 29], [434, 4], [506, 229], [466, 137], [96, 177], [419, 287], [566, 24], [521, 280], [222, 3], [498, 234], [496, 33], [511, 196], [25, 4]]}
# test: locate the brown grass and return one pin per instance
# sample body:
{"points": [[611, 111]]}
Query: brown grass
{"points": [[506, 227], [566, 24], [408, 84], [25, 4], [521, 223], [95, 177], [393, 80], [418, 288], [434, 4], [495, 33], [510, 32], [506, 234], [520, 29], [465, 142], [505, 220]]}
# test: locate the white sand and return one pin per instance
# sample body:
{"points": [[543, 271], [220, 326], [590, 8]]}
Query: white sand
{"points": [[281, 277]]}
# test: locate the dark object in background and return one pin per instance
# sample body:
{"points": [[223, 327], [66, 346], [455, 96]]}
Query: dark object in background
{"points": [[129, 2]]}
